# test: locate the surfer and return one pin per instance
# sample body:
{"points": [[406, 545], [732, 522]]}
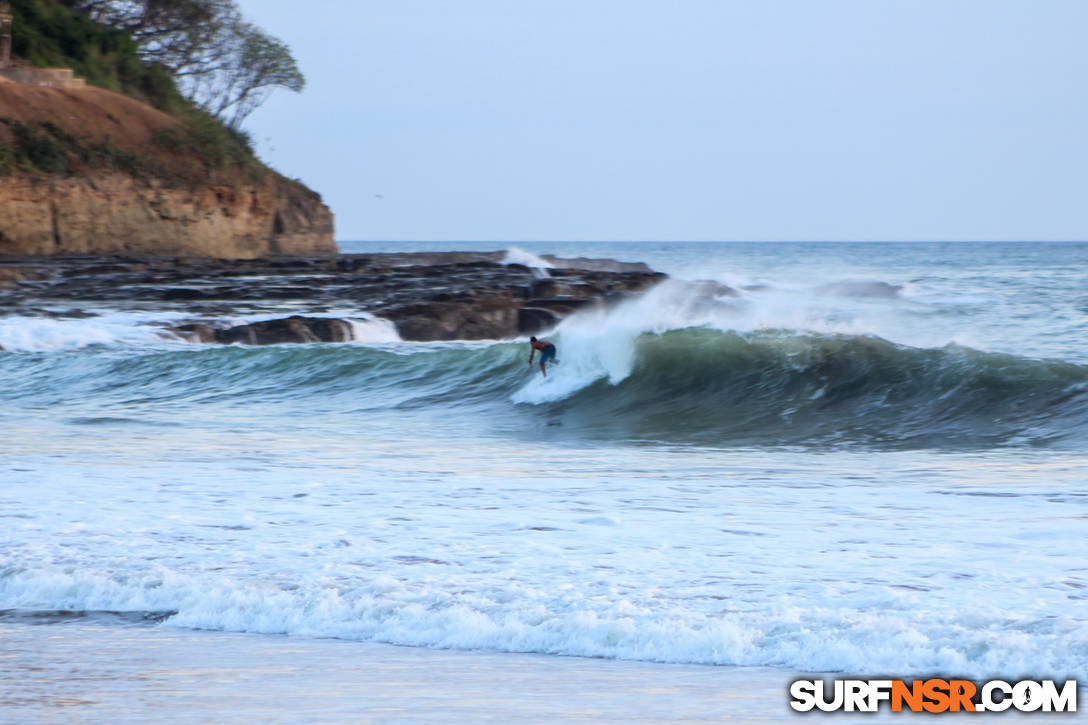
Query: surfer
{"points": [[547, 353]]}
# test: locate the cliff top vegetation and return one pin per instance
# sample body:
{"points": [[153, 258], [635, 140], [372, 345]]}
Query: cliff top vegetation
{"points": [[198, 63]]}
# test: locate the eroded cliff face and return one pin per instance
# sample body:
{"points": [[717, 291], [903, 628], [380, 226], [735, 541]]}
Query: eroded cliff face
{"points": [[116, 214], [174, 202]]}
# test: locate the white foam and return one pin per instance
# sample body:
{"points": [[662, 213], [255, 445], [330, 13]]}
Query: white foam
{"points": [[515, 255], [674, 554], [589, 349], [897, 636], [599, 345], [32, 334], [371, 329]]}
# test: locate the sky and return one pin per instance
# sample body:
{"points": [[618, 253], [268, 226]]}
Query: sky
{"points": [[508, 120]]}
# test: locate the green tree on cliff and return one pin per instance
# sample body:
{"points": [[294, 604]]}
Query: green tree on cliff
{"points": [[220, 61]]}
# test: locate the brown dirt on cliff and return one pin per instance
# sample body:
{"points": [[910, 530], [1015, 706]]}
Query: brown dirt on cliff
{"points": [[89, 171], [89, 111], [90, 114], [97, 116]]}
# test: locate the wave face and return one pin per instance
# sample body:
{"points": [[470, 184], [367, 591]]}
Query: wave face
{"points": [[685, 363], [781, 388], [693, 385]]}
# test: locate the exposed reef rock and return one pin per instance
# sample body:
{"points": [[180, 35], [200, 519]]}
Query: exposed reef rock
{"points": [[271, 332], [429, 296]]}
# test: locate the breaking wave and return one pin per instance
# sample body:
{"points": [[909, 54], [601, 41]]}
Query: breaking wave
{"points": [[906, 635], [698, 385]]}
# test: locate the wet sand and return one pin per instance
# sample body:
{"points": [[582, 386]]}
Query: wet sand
{"points": [[95, 670], [98, 672]]}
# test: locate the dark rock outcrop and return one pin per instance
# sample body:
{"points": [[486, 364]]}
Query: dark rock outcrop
{"points": [[271, 332], [534, 320], [432, 296]]}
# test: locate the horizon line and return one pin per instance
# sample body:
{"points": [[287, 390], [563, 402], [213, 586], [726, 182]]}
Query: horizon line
{"points": [[724, 241]]}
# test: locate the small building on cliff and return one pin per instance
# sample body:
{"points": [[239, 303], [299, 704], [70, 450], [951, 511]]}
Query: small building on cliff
{"points": [[6, 20], [22, 72]]}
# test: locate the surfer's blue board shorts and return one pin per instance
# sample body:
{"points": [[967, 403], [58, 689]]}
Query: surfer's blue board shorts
{"points": [[547, 354]]}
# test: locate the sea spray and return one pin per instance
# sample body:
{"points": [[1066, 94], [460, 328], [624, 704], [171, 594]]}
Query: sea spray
{"points": [[20, 333], [368, 329], [514, 255]]}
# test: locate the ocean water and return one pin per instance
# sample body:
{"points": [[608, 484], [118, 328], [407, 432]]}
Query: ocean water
{"points": [[834, 458]]}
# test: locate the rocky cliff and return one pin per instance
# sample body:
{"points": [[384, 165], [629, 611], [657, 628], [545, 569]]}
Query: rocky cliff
{"points": [[94, 172], [113, 213]]}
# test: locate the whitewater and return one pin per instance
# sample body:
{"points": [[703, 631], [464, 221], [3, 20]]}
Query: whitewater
{"points": [[830, 458]]}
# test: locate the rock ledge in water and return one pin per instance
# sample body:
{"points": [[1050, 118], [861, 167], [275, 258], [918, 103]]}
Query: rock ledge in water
{"points": [[428, 296]]}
